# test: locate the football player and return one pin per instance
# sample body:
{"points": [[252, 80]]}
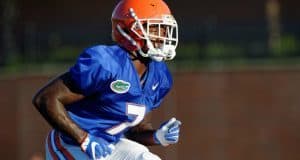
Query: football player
{"points": [[97, 108]]}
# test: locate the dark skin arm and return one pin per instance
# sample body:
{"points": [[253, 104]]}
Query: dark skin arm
{"points": [[142, 133], [50, 101]]}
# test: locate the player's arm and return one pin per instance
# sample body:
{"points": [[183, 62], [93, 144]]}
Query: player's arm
{"points": [[167, 133], [50, 101], [142, 133]]}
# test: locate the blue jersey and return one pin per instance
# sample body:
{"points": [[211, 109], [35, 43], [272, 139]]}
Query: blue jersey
{"points": [[115, 100]]}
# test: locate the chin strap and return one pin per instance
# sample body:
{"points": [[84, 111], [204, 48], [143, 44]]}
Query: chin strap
{"points": [[131, 40], [148, 42], [167, 52], [152, 52], [155, 54]]}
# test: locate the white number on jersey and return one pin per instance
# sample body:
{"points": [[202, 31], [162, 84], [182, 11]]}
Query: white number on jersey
{"points": [[132, 109]]}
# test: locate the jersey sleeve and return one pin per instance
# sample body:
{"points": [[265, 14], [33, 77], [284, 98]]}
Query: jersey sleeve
{"points": [[88, 73]]}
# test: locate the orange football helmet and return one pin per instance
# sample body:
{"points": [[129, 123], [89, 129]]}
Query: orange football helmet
{"points": [[132, 28]]}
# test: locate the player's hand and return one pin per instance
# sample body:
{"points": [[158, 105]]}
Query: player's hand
{"points": [[168, 132], [96, 147]]}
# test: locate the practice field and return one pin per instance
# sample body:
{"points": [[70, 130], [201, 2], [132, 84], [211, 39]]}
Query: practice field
{"points": [[228, 115]]}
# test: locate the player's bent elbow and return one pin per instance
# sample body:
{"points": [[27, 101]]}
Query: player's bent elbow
{"points": [[36, 100], [39, 100]]}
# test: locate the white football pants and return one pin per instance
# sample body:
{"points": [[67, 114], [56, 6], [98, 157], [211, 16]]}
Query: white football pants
{"points": [[125, 149]]}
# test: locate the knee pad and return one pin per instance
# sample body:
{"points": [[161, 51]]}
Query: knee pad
{"points": [[148, 156], [135, 151]]}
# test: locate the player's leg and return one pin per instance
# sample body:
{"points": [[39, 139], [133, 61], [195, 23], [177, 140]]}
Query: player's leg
{"points": [[126, 149], [56, 149]]}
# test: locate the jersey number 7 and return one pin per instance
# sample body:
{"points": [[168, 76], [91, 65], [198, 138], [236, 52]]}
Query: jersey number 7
{"points": [[132, 109]]}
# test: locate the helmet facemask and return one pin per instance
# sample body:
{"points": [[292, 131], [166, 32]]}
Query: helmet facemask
{"points": [[160, 36]]}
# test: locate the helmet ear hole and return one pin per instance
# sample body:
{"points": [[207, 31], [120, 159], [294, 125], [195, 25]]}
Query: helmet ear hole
{"points": [[125, 38], [124, 28]]}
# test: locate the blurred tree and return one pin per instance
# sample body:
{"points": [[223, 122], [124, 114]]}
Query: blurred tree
{"points": [[273, 19], [8, 22]]}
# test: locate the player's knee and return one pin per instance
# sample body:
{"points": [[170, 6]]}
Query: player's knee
{"points": [[137, 151], [148, 156]]}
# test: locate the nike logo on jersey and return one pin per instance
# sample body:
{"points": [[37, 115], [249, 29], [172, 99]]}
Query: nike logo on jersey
{"points": [[155, 86]]}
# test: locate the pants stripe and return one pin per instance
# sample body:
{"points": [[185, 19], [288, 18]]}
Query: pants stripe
{"points": [[61, 148], [52, 153]]}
